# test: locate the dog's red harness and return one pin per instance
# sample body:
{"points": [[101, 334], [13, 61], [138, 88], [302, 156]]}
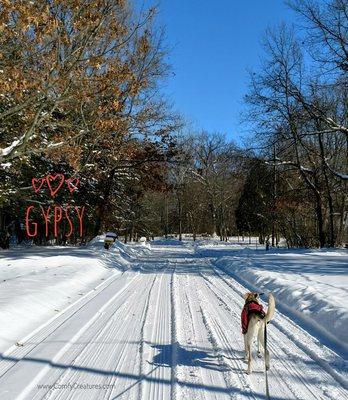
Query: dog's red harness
{"points": [[249, 308]]}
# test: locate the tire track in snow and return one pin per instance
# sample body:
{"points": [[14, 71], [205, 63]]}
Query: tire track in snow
{"points": [[44, 357], [100, 353], [142, 340], [174, 338], [211, 374], [148, 353], [14, 354], [156, 365], [187, 372], [131, 335], [74, 358]]}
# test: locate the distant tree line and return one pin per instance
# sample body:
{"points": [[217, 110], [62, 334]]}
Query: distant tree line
{"points": [[201, 191]]}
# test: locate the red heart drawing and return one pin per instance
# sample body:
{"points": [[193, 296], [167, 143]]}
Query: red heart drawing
{"points": [[37, 183], [73, 184], [52, 178]]}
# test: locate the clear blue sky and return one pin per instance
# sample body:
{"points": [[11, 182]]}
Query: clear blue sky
{"points": [[213, 43]]}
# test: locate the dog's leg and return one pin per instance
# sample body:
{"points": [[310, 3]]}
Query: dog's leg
{"points": [[260, 341], [259, 354], [248, 342], [246, 356], [250, 359], [252, 329]]}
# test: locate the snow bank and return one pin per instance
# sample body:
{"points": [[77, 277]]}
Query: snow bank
{"points": [[119, 254], [310, 284], [162, 241]]}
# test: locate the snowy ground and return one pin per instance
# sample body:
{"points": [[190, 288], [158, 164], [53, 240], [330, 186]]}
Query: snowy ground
{"points": [[159, 323]]}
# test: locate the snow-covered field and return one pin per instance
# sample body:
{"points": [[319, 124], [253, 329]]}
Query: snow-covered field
{"points": [[164, 322]]}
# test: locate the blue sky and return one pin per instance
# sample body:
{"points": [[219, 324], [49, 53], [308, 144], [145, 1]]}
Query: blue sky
{"points": [[213, 43]]}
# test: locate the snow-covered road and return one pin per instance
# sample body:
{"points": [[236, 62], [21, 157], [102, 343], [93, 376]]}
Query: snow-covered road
{"points": [[168, 328]]}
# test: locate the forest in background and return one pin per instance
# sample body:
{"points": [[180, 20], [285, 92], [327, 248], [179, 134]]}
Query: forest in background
{"points": [[80, 96]]}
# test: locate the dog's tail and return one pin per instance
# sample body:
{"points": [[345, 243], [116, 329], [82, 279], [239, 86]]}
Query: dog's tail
{"points": [[271, 308]]}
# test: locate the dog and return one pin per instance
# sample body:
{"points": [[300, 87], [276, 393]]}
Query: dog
{"points": [[253, 323]]}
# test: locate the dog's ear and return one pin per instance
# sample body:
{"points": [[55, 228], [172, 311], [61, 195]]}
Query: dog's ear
{"points": [[246, 295]]}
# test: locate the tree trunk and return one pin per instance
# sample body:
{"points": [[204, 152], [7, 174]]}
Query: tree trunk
{"points": [[193, 227], [166, 231], [101, 207], [328, 190], [213, 215], [180, 216], [320, 221]]}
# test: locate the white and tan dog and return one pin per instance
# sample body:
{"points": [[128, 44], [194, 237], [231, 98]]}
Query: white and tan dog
{"points": [[253, 323]]}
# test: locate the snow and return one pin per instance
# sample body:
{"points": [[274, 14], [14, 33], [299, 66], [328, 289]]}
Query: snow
{"points": [[341, 175], [40, 284], [163, 322], [111, 234], [7, 150], [6, 165], [125, 253], [43, 281], [58, 144]]}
